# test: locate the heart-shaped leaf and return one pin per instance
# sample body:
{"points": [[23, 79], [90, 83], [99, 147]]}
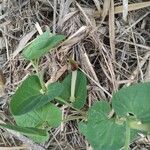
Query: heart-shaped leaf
{"points": [[80, 90], [101, 132], [28, 96], [48, 115], [133, 100], [38, 135], [41, 45]]}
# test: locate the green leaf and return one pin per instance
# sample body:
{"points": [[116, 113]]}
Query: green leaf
{"points": [[83, 128], [80, 91], [134, 100], [101, 132], [41, 45], [38, 134], [67, 88], [28, 96], [48, 115], [54, 90]]}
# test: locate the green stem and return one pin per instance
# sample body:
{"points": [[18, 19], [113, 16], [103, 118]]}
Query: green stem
{"points": [[68, 119], [35, 66], [63, 101], [73, 118], [134, 124], [73, 85], [127, 141]]}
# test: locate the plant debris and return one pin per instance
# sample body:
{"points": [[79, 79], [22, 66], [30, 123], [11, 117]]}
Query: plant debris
{"points": [[111, 51]]}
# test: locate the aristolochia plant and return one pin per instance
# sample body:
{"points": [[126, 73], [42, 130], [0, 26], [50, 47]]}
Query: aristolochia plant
{"points": [[32, 105], [35, 113], [132, 116]]}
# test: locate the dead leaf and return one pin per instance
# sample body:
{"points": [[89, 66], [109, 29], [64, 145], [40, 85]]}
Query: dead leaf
{"points": [[23, 42], [2, 83]]}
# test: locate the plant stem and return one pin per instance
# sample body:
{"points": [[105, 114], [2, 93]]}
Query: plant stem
{"points": [[73, 85], [62, 100], [35, 66], [134, 124], [68, 119], [73, 118], [127, 141]]}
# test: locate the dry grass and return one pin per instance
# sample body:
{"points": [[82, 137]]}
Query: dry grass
{"points": [[113, 50]]}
